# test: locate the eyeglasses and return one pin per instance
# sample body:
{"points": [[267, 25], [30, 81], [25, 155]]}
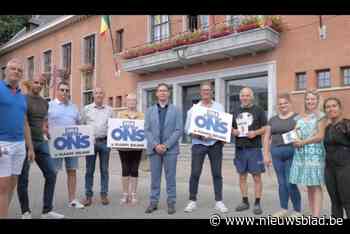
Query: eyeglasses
{"points": [[64, 90], [41, 83]]}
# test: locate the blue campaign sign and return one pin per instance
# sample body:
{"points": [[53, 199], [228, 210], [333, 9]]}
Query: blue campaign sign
{"points": [[211, 123], [125, 133], [72, 141]]}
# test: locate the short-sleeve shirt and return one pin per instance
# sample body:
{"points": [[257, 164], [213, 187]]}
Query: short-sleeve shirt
{"points": [[36, 113], [61, 114], [280, 126], [257, 119], [13, 107]]}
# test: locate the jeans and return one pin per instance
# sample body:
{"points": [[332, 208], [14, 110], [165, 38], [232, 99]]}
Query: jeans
{"points": [[215, 156], [282, 158], [46, 165], [103, 152], [157, 161]]}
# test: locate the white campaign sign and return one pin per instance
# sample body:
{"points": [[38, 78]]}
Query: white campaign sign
{"points": [[72, 141], [126, 133], [211, 123]]}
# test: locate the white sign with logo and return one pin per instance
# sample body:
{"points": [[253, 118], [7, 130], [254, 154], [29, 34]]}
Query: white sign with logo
{"points": [[211, 123], [126, 133], [244, 120], [72, 141]]}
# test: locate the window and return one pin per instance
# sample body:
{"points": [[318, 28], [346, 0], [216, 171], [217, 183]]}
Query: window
{"points": [[89, 50], [110, 101], [30, 67], [196, 22], [346, 75], [47, 71], [118, 101], [235, 20], [323, 78], [300, 81], [67, 57], [3, 72], [119, 40], [160, 27]]}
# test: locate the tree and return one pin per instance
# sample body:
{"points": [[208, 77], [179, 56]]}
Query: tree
{"points": [[10, 25]]}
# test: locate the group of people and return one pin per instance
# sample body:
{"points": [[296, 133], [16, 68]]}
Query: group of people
{"points": [[319, 155]]}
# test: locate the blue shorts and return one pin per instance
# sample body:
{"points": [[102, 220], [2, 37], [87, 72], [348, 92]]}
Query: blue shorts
{"points": [[249, 160], [71, 163]]}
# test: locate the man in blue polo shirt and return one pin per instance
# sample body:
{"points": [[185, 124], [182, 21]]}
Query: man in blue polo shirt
{"points": [[63, 113], [14, 133]]}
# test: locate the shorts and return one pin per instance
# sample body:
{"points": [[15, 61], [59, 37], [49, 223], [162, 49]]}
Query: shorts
{"points": [[12, 158], [249, 160], [70, 162]]}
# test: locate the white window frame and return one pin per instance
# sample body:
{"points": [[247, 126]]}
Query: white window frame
{"points": [[82, 61], [71, 61], [151, 26], [220, 77], [51, 70], [27, 66]]}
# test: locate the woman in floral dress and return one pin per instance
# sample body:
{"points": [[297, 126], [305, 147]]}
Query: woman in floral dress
{"points": [[309, 156]]}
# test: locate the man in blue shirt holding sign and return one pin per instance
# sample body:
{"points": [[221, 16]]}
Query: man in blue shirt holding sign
{"points": [[201, 146], [64, 113]]}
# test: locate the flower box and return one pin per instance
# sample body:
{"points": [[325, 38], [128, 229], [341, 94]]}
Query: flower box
{"points": [[247, 27], [165, 45]]}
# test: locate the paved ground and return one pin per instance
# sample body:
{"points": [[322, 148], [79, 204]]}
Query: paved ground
{"points": [[232, 196]]}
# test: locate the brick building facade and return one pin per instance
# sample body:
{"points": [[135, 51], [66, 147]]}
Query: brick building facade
{"points": [[302, 55]]}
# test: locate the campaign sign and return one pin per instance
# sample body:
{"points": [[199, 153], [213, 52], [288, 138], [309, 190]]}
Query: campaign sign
{"points": [[126, 133], [211, 123], [71, 141]]}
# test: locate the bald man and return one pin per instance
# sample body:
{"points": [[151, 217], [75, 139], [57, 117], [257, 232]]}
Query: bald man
{"points": [[37, 117], [14, 133], [97, 115], [248, 126]]}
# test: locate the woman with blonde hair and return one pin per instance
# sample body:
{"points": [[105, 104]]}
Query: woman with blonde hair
{"points": [[130, 158], [309, 157]]}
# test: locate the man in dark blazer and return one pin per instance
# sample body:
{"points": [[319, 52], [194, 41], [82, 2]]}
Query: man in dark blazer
{"points": [[163, 129]]}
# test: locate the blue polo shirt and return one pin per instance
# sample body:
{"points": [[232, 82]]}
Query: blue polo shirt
{"points": [[13, 107], [61, 114]]}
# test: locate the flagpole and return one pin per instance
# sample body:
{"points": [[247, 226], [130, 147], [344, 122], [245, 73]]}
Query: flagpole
{"points": [[113, 45]]}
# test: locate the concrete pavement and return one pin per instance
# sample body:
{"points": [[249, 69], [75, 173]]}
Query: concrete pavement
{"points": [[270, 201]]}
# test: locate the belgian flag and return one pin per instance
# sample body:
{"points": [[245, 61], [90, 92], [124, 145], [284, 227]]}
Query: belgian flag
{"points": [[105, 25]]}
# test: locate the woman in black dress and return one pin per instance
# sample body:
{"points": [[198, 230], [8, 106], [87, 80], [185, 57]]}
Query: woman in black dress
{"points": [[337, 169]]}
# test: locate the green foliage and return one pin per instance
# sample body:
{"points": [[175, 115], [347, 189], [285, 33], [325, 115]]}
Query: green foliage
{"points": [[10, 25]]}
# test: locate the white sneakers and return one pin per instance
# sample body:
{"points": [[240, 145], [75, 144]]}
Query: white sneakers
{"points": [[76, 204], [191, 206], [49, 215], [52, 215], [27, 215], [219, 206]]}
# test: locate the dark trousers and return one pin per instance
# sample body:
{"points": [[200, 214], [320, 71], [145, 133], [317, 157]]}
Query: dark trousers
{"points": [[214, 153], [130, 161], [46, 165], [103, 152], [337, 178]]}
